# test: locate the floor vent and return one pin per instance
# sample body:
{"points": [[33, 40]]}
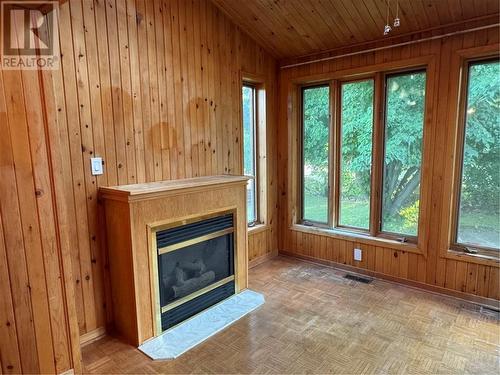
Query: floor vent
{"points": [[490, 312], [358, 278]]}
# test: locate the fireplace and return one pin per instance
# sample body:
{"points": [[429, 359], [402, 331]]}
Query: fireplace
{"points": [[195, 263], [175, 248]]}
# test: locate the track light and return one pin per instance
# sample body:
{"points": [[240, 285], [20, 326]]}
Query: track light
{"points": [[397, 20]]}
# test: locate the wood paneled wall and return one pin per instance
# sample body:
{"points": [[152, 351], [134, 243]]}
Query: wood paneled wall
{"points": [[154, 88], [432, 267], [36, 304]]}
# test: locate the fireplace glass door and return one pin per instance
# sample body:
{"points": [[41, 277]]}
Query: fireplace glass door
{"points": [[195, 267]]}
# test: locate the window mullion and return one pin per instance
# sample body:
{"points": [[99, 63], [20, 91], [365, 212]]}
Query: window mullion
{"points": [[334, 154], [377, 155]]}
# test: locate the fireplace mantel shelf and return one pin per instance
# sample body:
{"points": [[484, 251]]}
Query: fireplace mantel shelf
{"points": [[151, 189]]}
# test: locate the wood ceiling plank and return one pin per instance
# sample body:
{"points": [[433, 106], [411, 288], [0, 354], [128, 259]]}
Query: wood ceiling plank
{"points": [[481, 7], [455, 10], [287, 37], [419, 14], [444, 12], [329, 11], [247, 19], [336, 32], [362, 18], [411, 19], [493, 6], [289, 28], [431, 11], [376, 14], [468, 9], [356, 30], [300, 23], [316, 21]]}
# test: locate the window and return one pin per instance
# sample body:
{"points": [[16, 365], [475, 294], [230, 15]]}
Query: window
{"points": [[250, 150], [404, 125], [315, 146], [478, 206], [356, 131], [349, 183]]}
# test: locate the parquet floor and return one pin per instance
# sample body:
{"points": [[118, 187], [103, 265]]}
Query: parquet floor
{"points": [[315, 321]]}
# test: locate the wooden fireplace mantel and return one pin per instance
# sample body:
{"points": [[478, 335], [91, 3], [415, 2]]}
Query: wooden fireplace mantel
{"points": [[161, 188], [132, 212]]}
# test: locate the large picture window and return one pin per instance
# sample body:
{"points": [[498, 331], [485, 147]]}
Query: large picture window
{"points": [[349, 183], [315, 150], [478, 211]]}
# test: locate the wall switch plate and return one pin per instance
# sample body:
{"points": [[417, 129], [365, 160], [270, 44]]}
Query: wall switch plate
{"points": [[358, 254], [96, 166]]}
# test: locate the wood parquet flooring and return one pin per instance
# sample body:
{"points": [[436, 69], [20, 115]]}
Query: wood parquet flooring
{"points": [[315, 321]]}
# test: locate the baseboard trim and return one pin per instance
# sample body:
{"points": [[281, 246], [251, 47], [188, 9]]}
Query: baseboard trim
{"points": [[262, 259], [483, 301], [92, 336]]}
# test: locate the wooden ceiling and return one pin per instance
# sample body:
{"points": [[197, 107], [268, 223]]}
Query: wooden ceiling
{"points": [[289, 28]]}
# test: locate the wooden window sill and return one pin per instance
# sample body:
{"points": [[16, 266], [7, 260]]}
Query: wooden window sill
{"points": [[359, 237], [257, 228], [473, 258]]}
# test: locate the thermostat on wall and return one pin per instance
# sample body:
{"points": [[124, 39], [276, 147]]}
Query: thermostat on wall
{"points": [[96, 166]]}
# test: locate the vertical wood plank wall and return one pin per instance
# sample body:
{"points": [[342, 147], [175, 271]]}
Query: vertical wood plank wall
{"points": [[152, 87], [443, 273], [37, 332]]}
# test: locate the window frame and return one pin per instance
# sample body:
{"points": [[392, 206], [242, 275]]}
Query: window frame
{"points": [[469, 249], [256, 178], [383, 126], [304, 221], [378, 153], [338, 154]]}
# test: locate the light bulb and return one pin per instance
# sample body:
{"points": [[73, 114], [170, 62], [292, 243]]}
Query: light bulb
{"points": [[397, 22], [387, 29]]}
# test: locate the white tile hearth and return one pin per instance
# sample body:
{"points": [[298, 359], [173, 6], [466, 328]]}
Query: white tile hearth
{"points": [[179, 339]]}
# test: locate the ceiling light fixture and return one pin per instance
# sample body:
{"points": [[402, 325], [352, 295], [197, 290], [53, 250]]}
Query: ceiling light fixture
{"points": [[397, 21], [387, 27]]}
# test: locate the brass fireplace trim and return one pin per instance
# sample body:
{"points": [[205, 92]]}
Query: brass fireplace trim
{"points": [[166, 224], [194, 241], [193, 295]]}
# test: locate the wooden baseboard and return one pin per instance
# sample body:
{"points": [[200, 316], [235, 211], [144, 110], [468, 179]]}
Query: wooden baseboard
{"points": [[92, 336], [264, 258], [484, 301]]}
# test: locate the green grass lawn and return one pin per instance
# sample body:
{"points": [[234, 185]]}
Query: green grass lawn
{"points": [[475, 227], [479, 228], [354, 214]]}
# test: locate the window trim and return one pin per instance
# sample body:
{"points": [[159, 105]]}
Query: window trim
{"points": [[379, 80], [464, 248], [256, 178], [300, 111]]}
